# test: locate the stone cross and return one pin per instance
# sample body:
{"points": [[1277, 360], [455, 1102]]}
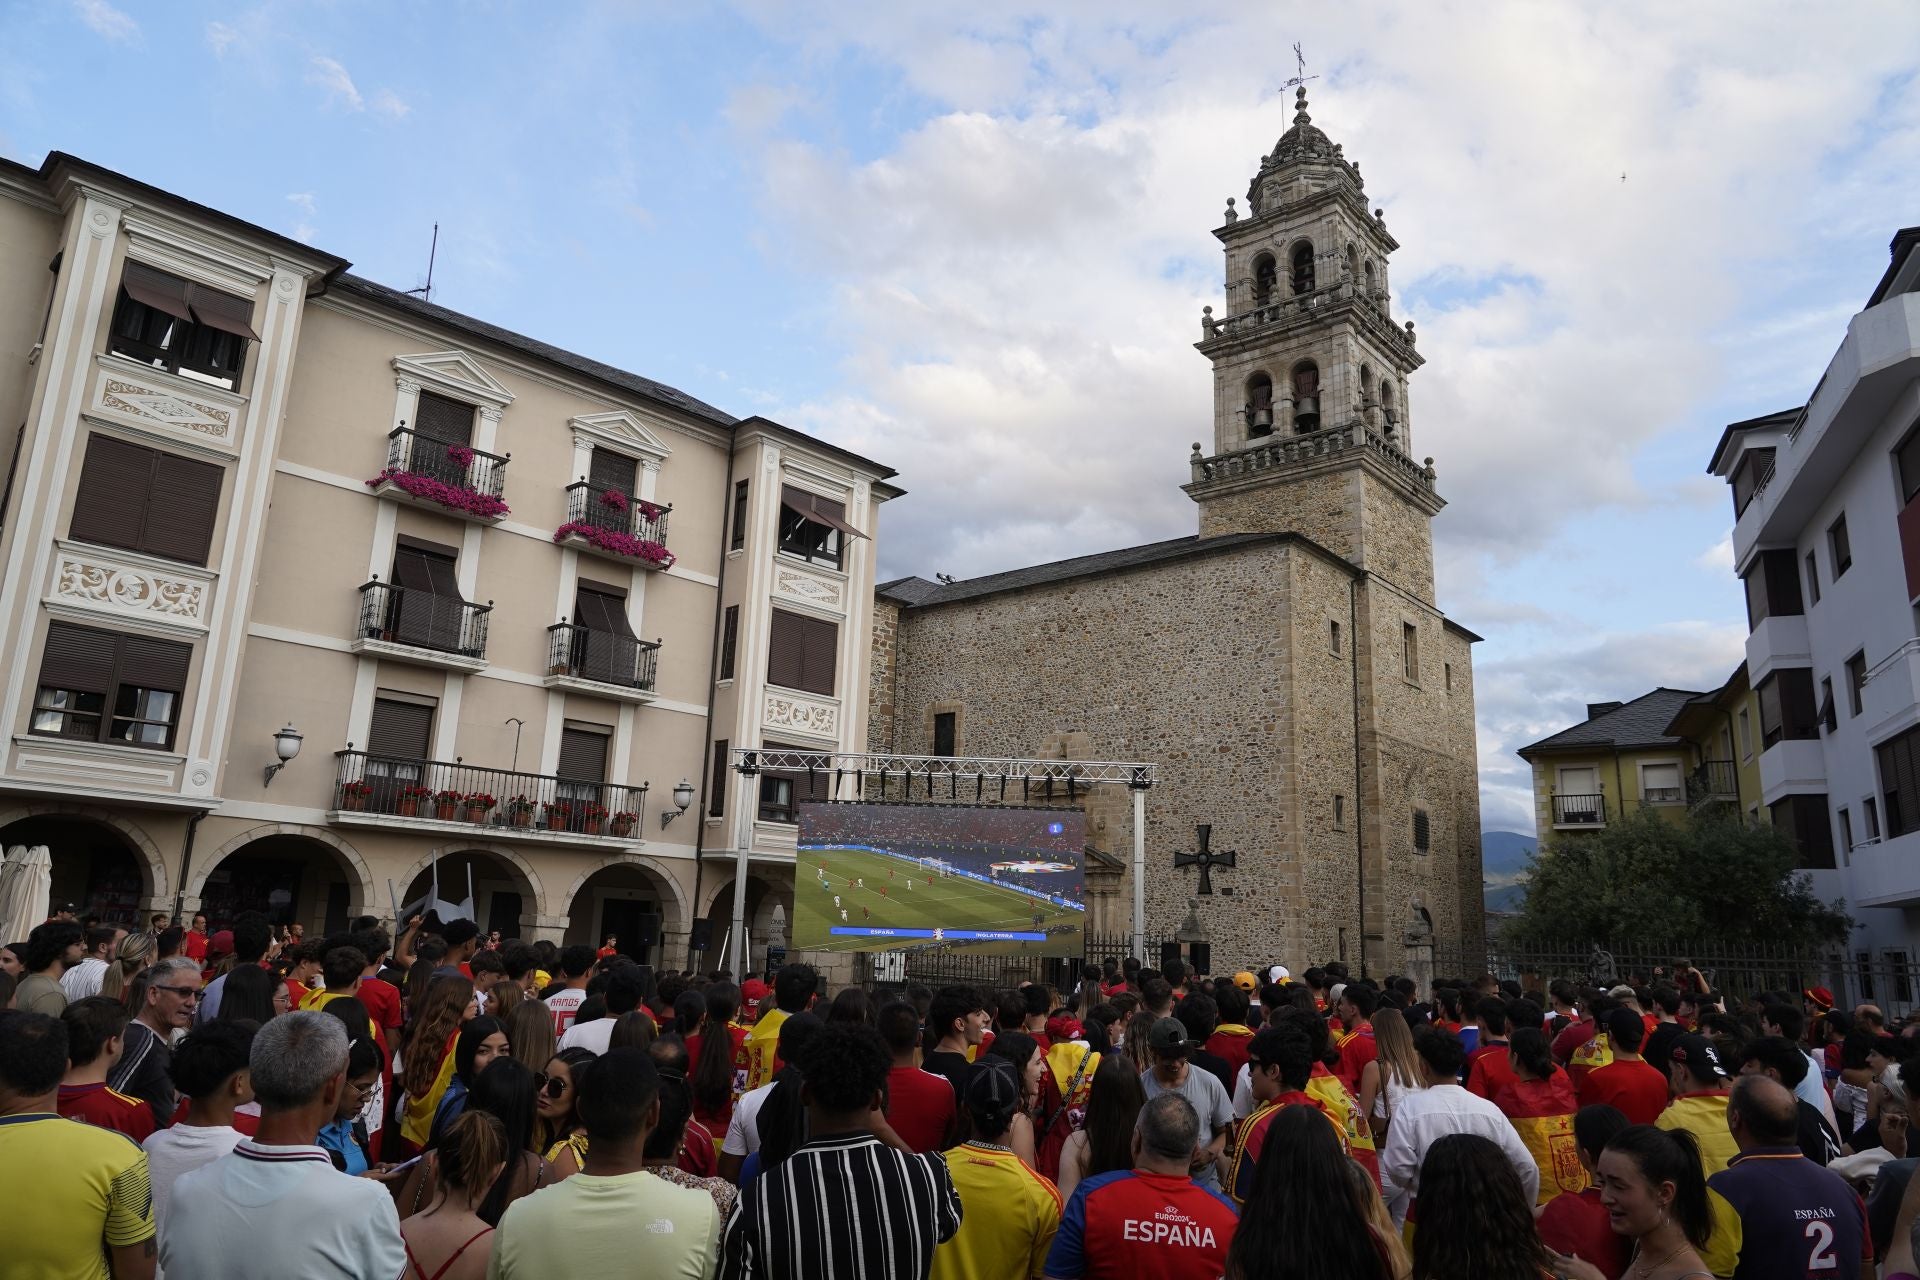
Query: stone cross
{"points": [[1206, 859]]}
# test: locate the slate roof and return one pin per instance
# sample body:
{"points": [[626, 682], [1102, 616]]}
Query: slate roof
{"points": [[1640, 723], [919, 593]]}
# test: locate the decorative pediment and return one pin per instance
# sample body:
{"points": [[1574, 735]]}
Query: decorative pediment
{"points": [[620, 431], [455, 373]]}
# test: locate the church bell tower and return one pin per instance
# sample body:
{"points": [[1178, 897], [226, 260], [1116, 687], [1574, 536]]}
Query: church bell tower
{"points": [[1312, 425]]}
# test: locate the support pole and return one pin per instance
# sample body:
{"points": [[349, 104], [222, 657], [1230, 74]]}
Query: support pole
{"points": [[1140, 874], [743, 814]]}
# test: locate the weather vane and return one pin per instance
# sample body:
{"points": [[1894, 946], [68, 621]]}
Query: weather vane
{"points": [[1300, 60]]}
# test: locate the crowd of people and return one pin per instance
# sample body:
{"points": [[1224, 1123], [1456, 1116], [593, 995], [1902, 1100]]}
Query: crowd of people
{"points": [[448, 1105]]}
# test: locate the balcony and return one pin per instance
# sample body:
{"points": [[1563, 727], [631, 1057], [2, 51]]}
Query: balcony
{"points": [[1792, 766], [440, 477], [478, 803], [1890, 695], [1575, 812], [1717, 780], [422, 628], [1778, 642], [1307, 451], [608, 522], [601, 663]]}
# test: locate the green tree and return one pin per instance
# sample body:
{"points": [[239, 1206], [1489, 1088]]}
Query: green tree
{"points": [[1650, 880]]}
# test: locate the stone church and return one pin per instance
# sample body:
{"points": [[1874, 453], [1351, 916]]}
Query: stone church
{"points": [[1286, 668]]}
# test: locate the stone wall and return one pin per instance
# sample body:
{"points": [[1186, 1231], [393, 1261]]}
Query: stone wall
{"points": [[880, 675], [1348, 510]]}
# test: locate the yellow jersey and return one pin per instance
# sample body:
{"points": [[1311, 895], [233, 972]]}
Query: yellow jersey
{"points": [[1704, 1115], [1008, 1217], [64, 1226]]}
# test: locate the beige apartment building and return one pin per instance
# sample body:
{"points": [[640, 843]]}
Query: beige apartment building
{"points": [[509, 599]]}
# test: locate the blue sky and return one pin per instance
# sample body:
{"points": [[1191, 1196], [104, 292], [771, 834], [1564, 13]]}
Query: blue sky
{"points": [[973, 241]]}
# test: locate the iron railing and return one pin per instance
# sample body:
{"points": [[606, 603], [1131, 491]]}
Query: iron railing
{"points": [[1285, 452], [455, 465], [494, 799], [1718, 779], [424, 620], [1579, 811], [589, 504], [586, 654]]}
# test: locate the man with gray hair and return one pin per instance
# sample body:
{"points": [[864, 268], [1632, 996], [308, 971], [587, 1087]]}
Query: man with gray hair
{"points": [[167, 1005], [1152, 1219], [278, 1188]]}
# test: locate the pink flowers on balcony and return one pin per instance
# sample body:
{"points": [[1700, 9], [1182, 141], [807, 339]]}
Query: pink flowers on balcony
{"points": [[453, 497], [615, 500], [620, 544]]}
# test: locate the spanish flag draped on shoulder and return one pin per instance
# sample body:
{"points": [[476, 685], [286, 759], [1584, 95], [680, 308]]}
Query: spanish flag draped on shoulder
{"points": [[1252, 1139], [1325, 1088], [1542, 1113]]}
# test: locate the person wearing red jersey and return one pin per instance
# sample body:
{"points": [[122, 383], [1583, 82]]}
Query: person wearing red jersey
{"points": [[1579, 1224], [194, 944], [1540, 1102], [1627, 1083], [610, 946], [1279, 1064], [1150, 1222], [1488, 1066], [1232, 1039], [920, 1105], [1579, 1028], [381, 997], [1356, 1044], [95, 1026]]}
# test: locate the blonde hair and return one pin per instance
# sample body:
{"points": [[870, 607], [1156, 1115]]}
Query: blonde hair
{"points": [[530, 1035], [1366, 1190], [1139, 1045], [503, 997], [1394, 1040]]}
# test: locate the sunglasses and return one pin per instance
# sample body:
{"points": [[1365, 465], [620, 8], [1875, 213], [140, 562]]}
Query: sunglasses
{"points": [[552, 1086], [185, 993]]}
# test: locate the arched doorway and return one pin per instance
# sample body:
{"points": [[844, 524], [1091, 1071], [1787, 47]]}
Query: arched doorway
{"points": [[506, 898], [634, 903], [312, 881], [96, 866], [762, 896]]}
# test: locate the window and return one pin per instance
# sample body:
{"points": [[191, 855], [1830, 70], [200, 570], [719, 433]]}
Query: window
{"points": [[801, 653], [1870, 809], [144, 500], [1839, 548], [781, 791], [776, 798], [1864, 961], [943, 733], [813, 528], [729, 640], [1339, 813], [1422, 831], [1306, 396], [440, 423], [1259, 405], [1447, 672], [1773, 588], [1813, 578], [1846, 828], [1828, 720], [1333, 639], [428, 609], [181, 327], [603, 644], [1746, 735], [99, 686], [582, 768], [610, 470], [399, 740], [739, 538], [1786, 707], [1902, 980], [717, 781], [1899, 760], [1750, 477], [1907, 460], [1410, 650], [1265, 274], [1803, 819], [1660, 784], [1302, 263]]}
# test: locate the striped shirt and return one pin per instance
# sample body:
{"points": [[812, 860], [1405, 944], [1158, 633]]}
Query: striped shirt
{"points": [[843, 1207]]}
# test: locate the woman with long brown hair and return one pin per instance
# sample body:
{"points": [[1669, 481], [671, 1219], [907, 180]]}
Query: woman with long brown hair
{"points": [[530, 1036], [444, 1005], [1475, 1220], [471, 1156], [1105, 1142], [1302, 1220], [1394, 1072]]}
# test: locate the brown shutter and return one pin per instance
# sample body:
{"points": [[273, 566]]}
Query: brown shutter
{"points": [[110, 504], [717, 783], [78, 658], [402, 729], [443, 419], [729, 641], [182, 505], [820, 658], [583, 755], [154, 664], [222, 311], [611, 470], [812, 506], [156, 289], [786, 649], [601, 609]]}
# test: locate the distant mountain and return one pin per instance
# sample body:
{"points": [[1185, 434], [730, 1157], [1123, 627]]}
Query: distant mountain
{"points": [[1503, 858]]}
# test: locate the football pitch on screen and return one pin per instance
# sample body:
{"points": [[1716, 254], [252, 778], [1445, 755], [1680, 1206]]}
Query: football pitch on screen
{"points": [[950, 904]]}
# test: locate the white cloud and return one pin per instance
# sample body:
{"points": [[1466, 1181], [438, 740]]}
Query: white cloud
{"points": [[303, 227], [105, 20], [221, 37], [333, 79], [390, 104], [1717, 558]]}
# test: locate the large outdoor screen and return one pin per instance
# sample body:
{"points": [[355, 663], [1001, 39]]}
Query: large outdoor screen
{"points": [[989, 880]]}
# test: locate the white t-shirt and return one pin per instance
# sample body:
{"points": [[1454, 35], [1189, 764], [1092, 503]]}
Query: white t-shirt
{"points": [[564, 1005], [1427, 1115], [181, 1149], [743, 1131], [83, 979], [591, 1036], [316, 1222]]}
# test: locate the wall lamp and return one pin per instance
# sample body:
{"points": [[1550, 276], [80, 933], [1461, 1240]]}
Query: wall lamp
{"points": [[286, 745], [682, 797]]}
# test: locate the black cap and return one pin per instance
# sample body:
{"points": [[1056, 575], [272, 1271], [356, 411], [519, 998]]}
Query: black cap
{"points": [[1697, 1053]]}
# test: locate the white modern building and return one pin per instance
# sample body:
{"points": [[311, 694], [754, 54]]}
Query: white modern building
{"points": [[1827, 540]]}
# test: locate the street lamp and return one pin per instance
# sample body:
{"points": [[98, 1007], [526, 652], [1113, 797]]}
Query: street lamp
{"points": [[286, 745], [682, 797]]}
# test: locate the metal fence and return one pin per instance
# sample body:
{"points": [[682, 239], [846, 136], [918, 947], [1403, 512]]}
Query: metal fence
{"points": [[948, 966]]}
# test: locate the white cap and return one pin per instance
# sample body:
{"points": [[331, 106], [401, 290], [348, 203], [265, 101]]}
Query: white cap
{"points": [[1279, 973], [1333, 992]]}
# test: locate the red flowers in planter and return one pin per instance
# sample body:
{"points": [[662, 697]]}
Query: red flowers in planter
{"points": [[620, 544]]}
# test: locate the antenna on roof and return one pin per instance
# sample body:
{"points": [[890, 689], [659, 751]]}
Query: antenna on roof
{"points": [[426, 290], [1301, 77]]}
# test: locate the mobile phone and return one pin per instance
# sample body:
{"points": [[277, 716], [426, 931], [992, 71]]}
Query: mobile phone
{"points": [[408, 1164]]}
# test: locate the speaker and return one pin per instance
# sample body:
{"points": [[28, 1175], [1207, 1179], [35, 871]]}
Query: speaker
{"points": [[1169, 952], [1200, 957], [649, 935], [702, 934]]}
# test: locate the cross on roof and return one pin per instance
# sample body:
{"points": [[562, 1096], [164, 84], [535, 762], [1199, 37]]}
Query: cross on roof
{"points": [[1301, 77]]}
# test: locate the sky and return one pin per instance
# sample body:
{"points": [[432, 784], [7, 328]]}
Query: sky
{"points": [[972, 241]]}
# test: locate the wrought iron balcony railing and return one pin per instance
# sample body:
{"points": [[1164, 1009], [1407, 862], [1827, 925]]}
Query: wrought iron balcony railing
{"points": [[1717, 780], [503, 801], [457, 466], [421, 619], [616, 511], [1579, 811], [586, 654]]}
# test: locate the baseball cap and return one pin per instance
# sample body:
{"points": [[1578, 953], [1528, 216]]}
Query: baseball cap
{"points": [[992, 1094], [1279, 973], [1168, 1035], [220, 943], [1696, 1051], [754, 990], [1246, 982], [1820, 996], [1063, 1026]]}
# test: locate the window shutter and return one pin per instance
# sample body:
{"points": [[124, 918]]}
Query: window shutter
{"points": [[717, 783], [611, 470], [400, 729], [154, 664], [1422, 833], [599, 609], [820, 657], [181, 508], [729, 641], [786, 646], [410, 570], [222, 311], [583, 755], [78, 658], [443, 419], [110, 505], [156, 289]]}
